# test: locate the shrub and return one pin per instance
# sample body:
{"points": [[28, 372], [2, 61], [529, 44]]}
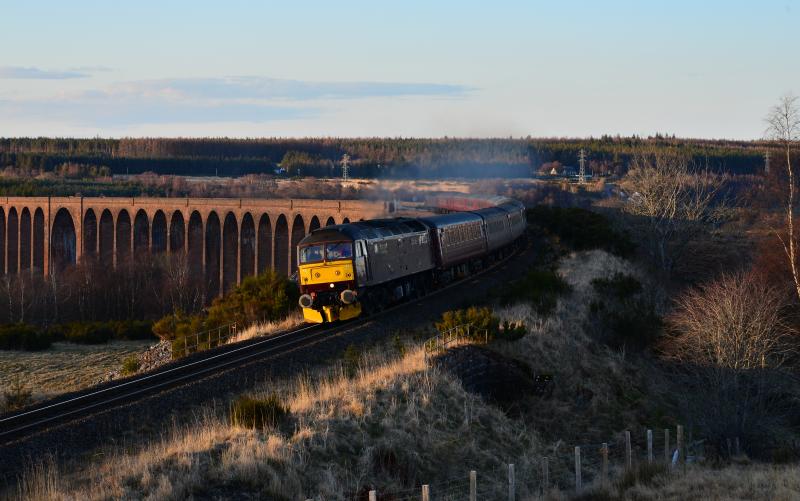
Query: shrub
{"points": [[633, 323], [133, 330], [56, 332], [263, 298], [23, 337], [250, 412], [540, 288], [352, 360], [511, 331], [18, 395], [89, 333], [399, 345], [480, 320], [581, 229], [620, 285], [177, 326], [131, 365]]}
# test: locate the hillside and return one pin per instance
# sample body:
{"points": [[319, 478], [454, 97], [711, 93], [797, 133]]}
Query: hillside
{"points": [[398, 422]]}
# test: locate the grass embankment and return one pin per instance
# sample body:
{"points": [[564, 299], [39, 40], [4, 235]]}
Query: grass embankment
{"points": [[393, 425]]}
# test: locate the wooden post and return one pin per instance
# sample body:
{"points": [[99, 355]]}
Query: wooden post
{"points": [[628, 457], [511, 485], [373, 496], [473, 486], [728, 440], [604, 452], [578, 481], [667, 459], [426, 492], [650, 446], [545, 475], [679, 438], [738, 450]]}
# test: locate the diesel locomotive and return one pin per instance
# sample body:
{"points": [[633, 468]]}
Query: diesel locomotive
{"points": [[349, 269]]}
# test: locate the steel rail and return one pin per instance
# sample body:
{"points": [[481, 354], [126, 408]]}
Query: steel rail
{"points": [[52, 413], [104, 398]]}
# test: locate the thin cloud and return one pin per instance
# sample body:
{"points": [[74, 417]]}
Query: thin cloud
{"points": [[208, 100], [101, 113], [262, 88], [31, 73]]}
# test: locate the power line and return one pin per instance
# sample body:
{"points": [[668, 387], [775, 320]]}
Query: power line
{"points": [[582, 168], [345, 166]]}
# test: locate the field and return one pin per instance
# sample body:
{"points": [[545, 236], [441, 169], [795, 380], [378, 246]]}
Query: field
{"points": [[65, 366]]}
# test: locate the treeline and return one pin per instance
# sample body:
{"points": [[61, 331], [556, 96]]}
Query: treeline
{"points": [[370, 157], [613, 154]]}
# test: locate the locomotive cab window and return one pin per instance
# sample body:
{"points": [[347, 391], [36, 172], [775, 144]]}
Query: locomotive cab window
{"points": [[338, 250], [311, 254]]}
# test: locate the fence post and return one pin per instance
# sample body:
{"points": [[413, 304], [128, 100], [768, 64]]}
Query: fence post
{"points": [[604, 452], [738, 450], [373, 496], [473, 485], [728, 441], [426, 492], [545, 475], [628, 457], [511, 485], [650, 446], [578, 468], [666, 446], [679, 438]]}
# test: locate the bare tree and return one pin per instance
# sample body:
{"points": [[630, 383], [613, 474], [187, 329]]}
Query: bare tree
{"points": [[783, 125], [730, 339], [671, 203]]}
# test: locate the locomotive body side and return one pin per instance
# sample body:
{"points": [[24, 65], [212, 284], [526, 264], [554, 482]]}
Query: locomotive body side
{"points": [[373, 256]]}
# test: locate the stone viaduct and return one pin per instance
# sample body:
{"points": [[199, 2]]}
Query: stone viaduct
{"points": [[225, 239]]}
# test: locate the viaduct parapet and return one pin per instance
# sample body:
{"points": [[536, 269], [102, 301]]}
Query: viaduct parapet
{"points": [[226, 239]]}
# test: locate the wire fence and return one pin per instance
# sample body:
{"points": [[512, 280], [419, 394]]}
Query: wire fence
{"points": [[203, 340], [572, 469], [621, 459], [449, 338]]}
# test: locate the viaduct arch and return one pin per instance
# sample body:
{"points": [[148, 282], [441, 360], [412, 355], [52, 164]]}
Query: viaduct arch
{"points": [[224, 239]]}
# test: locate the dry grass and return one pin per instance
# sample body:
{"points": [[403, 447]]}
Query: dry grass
{"points": [[398, 423], [294, 319], [597, 392], [65, 366], [394, 425]]}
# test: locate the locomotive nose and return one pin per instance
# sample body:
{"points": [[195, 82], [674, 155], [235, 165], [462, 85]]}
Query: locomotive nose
{"points": [[306, 301]]}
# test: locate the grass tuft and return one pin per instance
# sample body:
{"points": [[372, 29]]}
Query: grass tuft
{"points": [[248, 412]]}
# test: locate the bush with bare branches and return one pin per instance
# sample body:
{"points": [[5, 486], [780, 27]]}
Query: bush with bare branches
{"points": [[671, 203], [731, 340]]}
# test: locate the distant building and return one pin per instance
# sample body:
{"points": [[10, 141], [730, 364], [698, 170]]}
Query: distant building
{"points": [[565, 171]]}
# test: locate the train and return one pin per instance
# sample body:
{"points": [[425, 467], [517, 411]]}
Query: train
{"points": [[347, 270]]}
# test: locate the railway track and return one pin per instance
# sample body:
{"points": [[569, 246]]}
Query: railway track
{"points": [[28, 422]]}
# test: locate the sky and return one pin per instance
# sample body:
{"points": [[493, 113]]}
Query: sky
{"points": [[403, 68]]}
